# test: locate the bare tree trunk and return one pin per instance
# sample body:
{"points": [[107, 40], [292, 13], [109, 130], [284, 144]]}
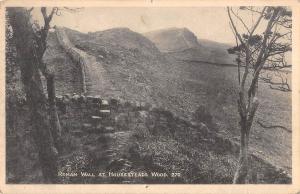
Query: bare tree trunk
{"points": [[240, 176], [247, 114], [256, 57], [54, 120], [23, 36], [41, 131]]}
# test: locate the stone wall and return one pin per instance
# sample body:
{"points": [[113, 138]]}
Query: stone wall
{"points": [[76, 55], [96, 80], [83, 111]]}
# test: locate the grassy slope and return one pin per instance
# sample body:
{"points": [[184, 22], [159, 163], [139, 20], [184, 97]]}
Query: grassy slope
{"points": [[137, 70], [218, 51], [274, 145], [182, 87], [147, 139]]}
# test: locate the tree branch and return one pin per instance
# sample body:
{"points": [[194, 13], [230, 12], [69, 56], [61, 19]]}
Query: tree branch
{"points": [[260, 61], [240, 19], [258, 21], [234, 27], [273, 126]]}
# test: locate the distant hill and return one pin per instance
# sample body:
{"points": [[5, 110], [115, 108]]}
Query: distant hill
{"points": [[117, 45], [125, 38], [184, 45], [173, 39]]}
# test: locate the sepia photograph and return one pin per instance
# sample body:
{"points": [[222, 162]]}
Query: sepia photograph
{"points": [[148, 95]]}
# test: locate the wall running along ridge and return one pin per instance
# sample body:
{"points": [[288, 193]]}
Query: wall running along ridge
{"points": [[68, 101], [96, 80], [76, 54]]}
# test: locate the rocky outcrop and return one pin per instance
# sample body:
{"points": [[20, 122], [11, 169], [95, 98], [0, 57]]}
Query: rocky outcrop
{"points": [[173, 39], [183, 44]]}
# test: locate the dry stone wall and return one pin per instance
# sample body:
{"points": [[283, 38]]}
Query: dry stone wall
{"points": [[86, 110], [76, 55], [96, 80]]}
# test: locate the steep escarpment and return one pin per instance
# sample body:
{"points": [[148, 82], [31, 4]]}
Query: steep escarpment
{"points": [[173, 39], [182, 44]]}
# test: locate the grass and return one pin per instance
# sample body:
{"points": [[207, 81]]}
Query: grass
{"points": [[191, 84], [159, 139], [220, 94], [154, 141]]}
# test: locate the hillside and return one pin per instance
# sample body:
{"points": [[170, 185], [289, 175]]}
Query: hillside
{"points": [[218, 51], [140, 77], [141, 72], [184, 45], [134, 64], [121, 107]]}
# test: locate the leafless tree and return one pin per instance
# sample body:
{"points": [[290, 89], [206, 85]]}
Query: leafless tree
{"points": [[40, 40], [261, 44]]}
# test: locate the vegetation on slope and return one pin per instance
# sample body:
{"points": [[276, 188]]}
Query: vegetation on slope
{"points": [[142, 73], [184, 86]]}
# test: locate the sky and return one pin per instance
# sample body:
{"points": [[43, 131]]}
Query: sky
{"points": [[206, 23], [210, 23]]}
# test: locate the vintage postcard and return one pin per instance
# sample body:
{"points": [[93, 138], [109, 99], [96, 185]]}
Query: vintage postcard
{"points": [[150, 97]]}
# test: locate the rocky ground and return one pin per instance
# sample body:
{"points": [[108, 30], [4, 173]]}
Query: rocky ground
{"points": [[145, 139]]}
